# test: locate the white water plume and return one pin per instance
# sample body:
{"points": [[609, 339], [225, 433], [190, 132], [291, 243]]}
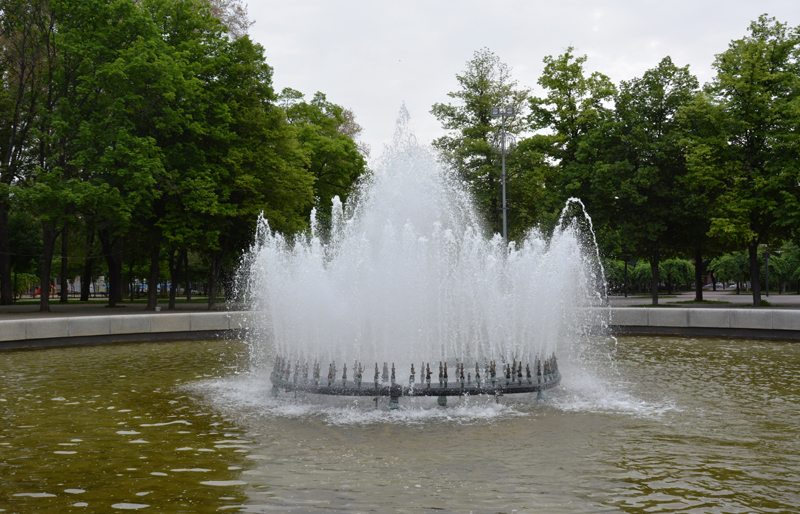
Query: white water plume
{"points": [[406, 275]]}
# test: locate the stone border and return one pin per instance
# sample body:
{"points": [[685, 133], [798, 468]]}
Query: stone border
{"points": [[79, 330], [82, 330], [747, 323]]}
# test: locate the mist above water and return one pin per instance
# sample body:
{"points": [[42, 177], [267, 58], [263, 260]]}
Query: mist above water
{"points": [[405, 273]]}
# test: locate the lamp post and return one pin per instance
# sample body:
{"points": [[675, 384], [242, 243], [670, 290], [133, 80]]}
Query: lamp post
{"points": [[766, 269], [507, 144]]}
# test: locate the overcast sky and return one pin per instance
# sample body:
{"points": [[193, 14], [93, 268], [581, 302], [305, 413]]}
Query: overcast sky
{"points": [[371, 56]]}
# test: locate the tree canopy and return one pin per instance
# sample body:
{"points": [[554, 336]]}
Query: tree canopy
{"points": [[155, 121], [665, 168]]}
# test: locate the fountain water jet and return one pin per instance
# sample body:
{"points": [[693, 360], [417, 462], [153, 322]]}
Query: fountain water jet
{"points": [[404, 274]]}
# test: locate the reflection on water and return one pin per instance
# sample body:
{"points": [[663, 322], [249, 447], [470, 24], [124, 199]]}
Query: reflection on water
{"points": [[679, 425], [99, 428]]}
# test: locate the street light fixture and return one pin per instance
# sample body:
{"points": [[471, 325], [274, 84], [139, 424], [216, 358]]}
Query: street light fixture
{"points": [[504, 143]]}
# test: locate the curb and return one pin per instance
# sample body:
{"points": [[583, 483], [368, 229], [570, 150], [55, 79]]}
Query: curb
{"points": [[744, 323], [781, 324], [82, 330]]}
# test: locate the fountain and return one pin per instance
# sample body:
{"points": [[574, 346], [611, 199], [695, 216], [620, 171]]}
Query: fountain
{"points": [[404, 274], [638, 423]]}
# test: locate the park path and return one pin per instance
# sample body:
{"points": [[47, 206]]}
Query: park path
{"points": [[98, 307], [94, 308], [745, 299]]}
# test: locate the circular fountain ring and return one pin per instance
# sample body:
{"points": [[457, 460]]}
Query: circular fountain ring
{"points": [[512, 382]]}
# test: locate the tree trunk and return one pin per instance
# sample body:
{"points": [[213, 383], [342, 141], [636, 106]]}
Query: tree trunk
{"points": [[130, 278], [185, 257], [6, 291], [49, 236], [698, 274], [88, 266], [755, 283], [64, 267], [117, 275], [217, 258], [654, 260], [152, 281], [714, 282], [175, 269], [112, 251]]}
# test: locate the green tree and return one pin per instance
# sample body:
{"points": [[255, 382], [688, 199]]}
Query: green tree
{"points": [[644, 164], [677, 272], [642, 274], [731, 267], [467, 148], [704, 183], [147, 137], [258, 165], [325, 132], [573, 109], [533, 196], [23, 45], [73, 34], [754, 152], [25, 237]]}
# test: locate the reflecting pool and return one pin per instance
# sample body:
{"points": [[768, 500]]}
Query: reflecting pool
{"points": [[649, 424]]}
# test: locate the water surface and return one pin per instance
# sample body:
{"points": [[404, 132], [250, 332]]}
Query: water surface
{"points": [[665, 425]]}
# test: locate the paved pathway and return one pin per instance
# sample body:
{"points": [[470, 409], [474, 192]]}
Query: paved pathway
{"points": [[94, 308], [98, 307]]}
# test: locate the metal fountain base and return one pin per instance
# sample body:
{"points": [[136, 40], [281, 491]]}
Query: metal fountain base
{"points": [[511, 381]]}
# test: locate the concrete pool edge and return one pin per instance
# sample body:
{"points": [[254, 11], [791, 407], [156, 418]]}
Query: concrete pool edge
{"points": [[88, 330], [707, 322]]}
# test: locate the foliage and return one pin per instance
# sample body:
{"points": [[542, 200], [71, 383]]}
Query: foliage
{"points": [[573, 109], [678, 272], [155, 122], [644, 164], [731, 267], [325, 132], [153, 125], [749, 150], [466, 148], [642, 273]]}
